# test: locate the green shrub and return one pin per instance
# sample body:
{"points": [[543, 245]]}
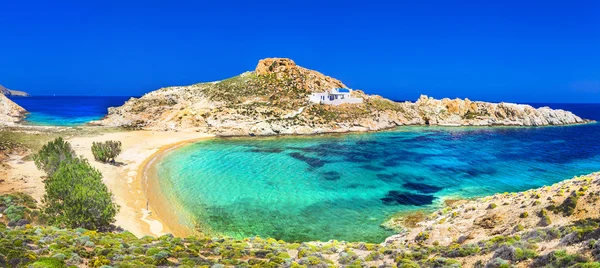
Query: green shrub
{"points": [[48, 159], [567, 208], [76, 197], [48, 263], [422, 237], [406, 263], [524, 215], [106, 151]]}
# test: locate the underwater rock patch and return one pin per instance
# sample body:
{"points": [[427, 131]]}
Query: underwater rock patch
{"points": [[266, 150], [312, 161], [372, 168], [422, 187], [332, 176], [404, 198]]}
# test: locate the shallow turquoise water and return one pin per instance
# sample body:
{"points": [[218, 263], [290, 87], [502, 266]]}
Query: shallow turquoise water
{"points": [[344, 186]]}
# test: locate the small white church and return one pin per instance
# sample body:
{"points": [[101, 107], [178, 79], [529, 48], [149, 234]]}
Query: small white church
{"points": [[335, 96]]}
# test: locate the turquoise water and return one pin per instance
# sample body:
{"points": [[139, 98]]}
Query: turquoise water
{"points": [[66, 110], [344, 186]]}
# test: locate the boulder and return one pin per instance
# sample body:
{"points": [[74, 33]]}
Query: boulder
{"points": [[10, 112]]}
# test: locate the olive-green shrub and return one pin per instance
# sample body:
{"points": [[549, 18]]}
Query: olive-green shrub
{"points": [[76, 197], [106, 151], [52, 154]]}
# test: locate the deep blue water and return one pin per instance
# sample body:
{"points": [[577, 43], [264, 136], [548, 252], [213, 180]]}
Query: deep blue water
{"points": [[66, 110], [344, 186]]}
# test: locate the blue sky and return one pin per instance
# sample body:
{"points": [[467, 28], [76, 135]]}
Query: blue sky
{"points": [[523, 51]]}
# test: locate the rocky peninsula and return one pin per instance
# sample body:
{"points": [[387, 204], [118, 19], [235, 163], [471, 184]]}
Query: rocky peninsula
{"points": [[274, 99], [10, 92]]}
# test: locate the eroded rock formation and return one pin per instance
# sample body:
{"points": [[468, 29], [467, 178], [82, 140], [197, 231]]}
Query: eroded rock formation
{"points": [[9, 92], [10, 112]]}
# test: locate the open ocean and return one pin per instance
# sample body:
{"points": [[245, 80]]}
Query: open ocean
{"points": [[66, 110]]}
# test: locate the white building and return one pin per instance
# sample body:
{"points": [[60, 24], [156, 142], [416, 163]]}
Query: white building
{"points": [[335, 96]]}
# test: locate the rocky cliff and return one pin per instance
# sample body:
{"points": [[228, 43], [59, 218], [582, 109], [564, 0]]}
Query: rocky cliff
{"points": [[9, 92], [10, 112], [274, 99]]}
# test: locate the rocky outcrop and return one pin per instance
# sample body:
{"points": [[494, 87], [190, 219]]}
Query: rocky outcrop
{"points": [[506, 214], [274, 99], [10, 112], [9, 92], [457, 112]]}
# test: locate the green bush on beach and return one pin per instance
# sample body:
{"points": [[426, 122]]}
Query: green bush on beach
{"points": [[75, 194], [48, 159], [76, 197], [106, 151]]}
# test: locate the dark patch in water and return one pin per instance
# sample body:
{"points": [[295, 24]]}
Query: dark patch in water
{"points": [[422, 187], [356, 159], [372, 168], [481, 171], [312, 161], [332, 176], [403, 198], [266, 150], [354, 186], [537, 169], [390, 163]]}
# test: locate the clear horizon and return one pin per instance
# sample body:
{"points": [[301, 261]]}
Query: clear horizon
{"points": [[532, 52]]}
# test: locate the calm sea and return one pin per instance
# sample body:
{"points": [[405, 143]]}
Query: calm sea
{"points": [[66, 110]]}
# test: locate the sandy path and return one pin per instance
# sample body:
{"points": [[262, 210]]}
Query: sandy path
{"points": [[17, 175]]}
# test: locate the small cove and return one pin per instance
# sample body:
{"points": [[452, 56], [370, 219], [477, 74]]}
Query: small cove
{"points": [[344, 186]]}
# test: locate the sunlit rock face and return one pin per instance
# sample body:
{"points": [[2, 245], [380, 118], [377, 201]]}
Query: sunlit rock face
{"points": [[10, 112], [274, 100]]}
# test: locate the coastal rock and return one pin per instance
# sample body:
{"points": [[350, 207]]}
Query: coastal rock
{"points": [[9, 92], [506, 214], [274, 100], [10, 112]]}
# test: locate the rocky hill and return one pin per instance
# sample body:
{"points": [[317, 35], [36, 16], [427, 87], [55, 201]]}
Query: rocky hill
{"points": [[274, 99], [10, 112], [8, 92]]}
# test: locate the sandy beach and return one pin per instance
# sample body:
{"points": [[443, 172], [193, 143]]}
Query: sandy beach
{"points": [[123, 178]]}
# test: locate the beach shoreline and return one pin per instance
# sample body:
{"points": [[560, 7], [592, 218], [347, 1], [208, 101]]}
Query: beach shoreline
{"points": [[158, 204], [124, 179]]}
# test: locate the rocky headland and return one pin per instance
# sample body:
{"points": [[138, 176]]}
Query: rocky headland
{"points": [[10, 112], [9, 92], [274, 99]]}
